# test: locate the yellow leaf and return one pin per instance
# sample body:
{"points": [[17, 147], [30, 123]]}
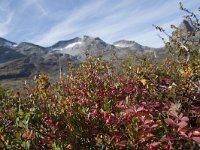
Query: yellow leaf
{"points": [[138, 69], [187, 72], [2, 138], [143, 81], [182, 71]]}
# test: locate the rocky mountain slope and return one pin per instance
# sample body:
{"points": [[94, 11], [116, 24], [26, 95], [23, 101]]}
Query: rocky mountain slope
{"points": [[19, 62]]}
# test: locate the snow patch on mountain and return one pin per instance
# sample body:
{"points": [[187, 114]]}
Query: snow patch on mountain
{"points": [[6, 43], [73, 44], [14, 45], [122, 45], [125, 44]]}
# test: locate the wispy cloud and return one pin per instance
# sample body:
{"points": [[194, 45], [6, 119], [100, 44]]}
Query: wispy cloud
{"points": [[133, 24], [6, 19], [116, 21], [84, 21], [35, 3], [69, 24], [45, 22]]}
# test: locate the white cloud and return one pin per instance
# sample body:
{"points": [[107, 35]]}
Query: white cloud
{"points": [[109, 20], [150, 37], [110, 28], [35, 3], [133, 26], [68, 25], [5, 24], [114, 20]]}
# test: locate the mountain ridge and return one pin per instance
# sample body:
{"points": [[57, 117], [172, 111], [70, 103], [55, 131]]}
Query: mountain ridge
{"points": [[65, 42], [19, 62]]}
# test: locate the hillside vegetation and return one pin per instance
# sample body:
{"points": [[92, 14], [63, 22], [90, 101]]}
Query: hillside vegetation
{"points": [[112, 104]]}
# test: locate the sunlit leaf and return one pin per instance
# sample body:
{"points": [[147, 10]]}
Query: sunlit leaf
{"points": [[184, 119], [169, 121], [196, 139], [173, 113], [143, 81], [182, 124]]}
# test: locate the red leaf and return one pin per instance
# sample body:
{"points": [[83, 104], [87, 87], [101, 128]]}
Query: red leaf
{"points": [[169, 121], [173, 113], [122, 143], [185, 119], [140, 109], [148, 121], [196, 133], [189, 134], [154, 126], [183, 134], [106, 115], [115, 137], [154, 145], [182, 124], [129, 110], [184, 130], [196, 139]]}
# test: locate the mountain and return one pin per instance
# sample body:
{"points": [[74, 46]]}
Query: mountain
{"points": [[78, 47], [187, 26], [19, 62], [187, 33], [30, 48], [131, 44], [64, 44], [8, 54], [6, 43]]}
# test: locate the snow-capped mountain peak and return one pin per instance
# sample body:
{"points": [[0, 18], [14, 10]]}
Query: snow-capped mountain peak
{"points": [[77, 47], [63, 44]]}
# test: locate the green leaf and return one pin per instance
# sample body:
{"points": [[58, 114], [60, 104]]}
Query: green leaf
{"points": [[20, 113], [28, 115], [21, 124], [25, 144], [127, 99], [55, 147], [18, 135]]}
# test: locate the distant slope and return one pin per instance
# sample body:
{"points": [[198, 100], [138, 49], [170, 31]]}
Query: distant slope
{"points": [[6, 43], [8, 54]]}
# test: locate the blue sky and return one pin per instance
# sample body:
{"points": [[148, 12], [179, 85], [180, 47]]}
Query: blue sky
{"points": [[45, 22]]}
